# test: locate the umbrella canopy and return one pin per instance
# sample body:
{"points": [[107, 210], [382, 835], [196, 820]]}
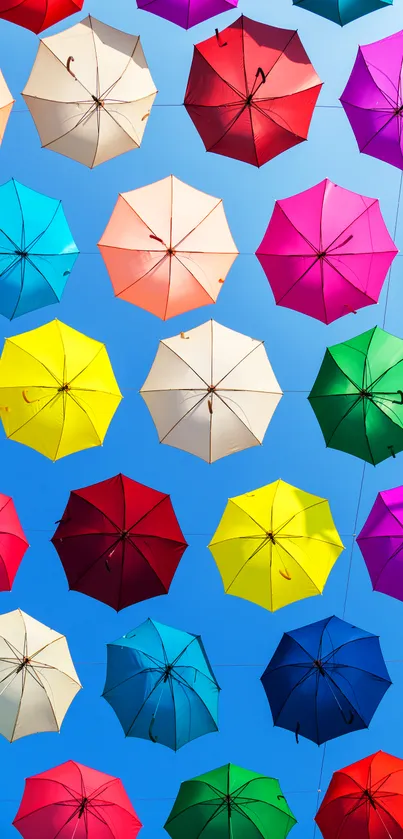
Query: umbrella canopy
{"points": [[38, 15], [13, 543], [373, 99], [326, 251], [230, 803], [168, 247], [342, 11], [381, 543], [58, 392], [357, 398], [90, 92], [325, 680], [119, 542], [6, 104], [160, 684], [186, 13], [75, 802], [37, 250], [211, 391], [275, 545], [38, 678], [364, 800], [251, 91]]}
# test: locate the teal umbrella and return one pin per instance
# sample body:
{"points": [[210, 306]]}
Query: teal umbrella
{"points": [[342, 11]]}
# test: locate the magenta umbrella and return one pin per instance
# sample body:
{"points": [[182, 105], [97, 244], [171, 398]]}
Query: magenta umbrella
{"points": [[326, 251], [186, 13], [373, 99], [381, 543]]}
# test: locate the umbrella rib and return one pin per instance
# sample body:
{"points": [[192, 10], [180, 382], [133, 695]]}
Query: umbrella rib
{"points": [[225, 403], [316, 503], [225, 81], [37, 238], [143, 704], [187, 365], [149, 271], [91, 361], [199, 223], [300, 566], [259, 344], [65, 68], [193, 408]]}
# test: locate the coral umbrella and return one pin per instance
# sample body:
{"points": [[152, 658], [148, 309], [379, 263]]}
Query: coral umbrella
{"points": [[119, 542], [364, 800], [326, 251], [58, 392], [275, 545], [13, 543], [251, 91], [168, 247], [381, 543], [75, 802], [90, 92], [373, 99], [38, 15], [325, 680], [161, 686], [342, 11], [186, 13], [6, 104], [211, 391]]}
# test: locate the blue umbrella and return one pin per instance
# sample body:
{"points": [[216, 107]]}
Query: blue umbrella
{"points": [[160, 684], [37, 251], [342, 11], [325, 679]]}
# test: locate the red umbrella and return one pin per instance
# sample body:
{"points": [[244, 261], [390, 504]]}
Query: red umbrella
{"points": [[13, 543], [72, 801], [119, 542], [38, 15], [251, 91]]}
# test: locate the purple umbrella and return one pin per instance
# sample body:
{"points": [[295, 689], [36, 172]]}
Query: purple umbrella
{"points": [[373, 99], [381, 543], [186, 13]]}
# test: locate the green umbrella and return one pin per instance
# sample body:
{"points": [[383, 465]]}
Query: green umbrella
{"points": [[358, 396], [230, 803]]}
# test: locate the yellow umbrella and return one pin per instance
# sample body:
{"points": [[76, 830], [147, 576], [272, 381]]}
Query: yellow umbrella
{"points": [[58, 392], [276, 545]]}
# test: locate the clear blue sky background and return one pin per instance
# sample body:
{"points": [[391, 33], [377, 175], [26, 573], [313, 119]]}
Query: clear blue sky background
{"points": [[239, 637]]}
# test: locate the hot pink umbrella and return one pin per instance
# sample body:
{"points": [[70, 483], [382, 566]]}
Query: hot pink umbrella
{"points": [[326, 251], [381, 543]]}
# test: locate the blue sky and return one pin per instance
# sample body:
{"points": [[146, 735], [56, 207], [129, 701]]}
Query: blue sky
{"points": [[239, 637]]}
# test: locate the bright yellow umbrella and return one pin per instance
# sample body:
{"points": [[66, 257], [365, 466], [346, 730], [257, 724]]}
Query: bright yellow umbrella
{"points": [[276, 545], [58, 392]]}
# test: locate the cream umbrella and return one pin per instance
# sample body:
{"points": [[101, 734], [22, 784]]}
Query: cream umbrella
{"points": [[90, 92], [6, 103], [211, 391], [38, 680]]}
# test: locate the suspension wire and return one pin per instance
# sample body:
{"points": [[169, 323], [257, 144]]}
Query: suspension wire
{"points": [[388, 281]]}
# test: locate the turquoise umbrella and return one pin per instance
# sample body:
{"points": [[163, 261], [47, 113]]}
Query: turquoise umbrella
{"points": [[37, 250], [342, 11]]}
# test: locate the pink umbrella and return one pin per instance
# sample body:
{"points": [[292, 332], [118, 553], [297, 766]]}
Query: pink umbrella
{"points": [[381, 543], [186, 13], [326, 251]]}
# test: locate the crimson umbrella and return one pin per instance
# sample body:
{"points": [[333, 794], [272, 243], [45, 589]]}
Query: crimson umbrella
{"points": [[251, 91], [38, 15], [119, 542], [13, 543]]}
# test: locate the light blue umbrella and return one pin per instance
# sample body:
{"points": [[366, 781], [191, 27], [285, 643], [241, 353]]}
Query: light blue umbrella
{"points": [[160, 684], [37, 251], [342, 11]]}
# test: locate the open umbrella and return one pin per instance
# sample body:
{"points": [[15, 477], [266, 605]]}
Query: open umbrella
{"points": [[186, 13], [357, 397], [251, 91], [38, 15], [90, 92], [275, 545], [38, 681], [160, 684], [326, 251], [342, 11], [168, 247], [211, 391], [37, 250], [58, 392], [381, 543], [13, 543], [72, 801], [230, 803], [119, 541], [6, 104]]}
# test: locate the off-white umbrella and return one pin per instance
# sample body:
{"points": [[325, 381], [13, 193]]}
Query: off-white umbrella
{"points": [[90, 92], [6, 103], [211, 391], [38, 680]]}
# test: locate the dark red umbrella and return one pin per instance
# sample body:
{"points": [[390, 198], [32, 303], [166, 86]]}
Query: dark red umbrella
{"points": [[251, 91], [119, 542], [13, 543], [38, 15]]}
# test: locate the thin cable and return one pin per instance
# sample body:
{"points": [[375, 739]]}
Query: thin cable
{"points": [[165, 105], [394, 237], [319, 786], [357, 513]]}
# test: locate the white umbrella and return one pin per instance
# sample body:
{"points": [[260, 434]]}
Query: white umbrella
{"points": [[38, 680], [6, 103], [211, 391], [90, 92]]}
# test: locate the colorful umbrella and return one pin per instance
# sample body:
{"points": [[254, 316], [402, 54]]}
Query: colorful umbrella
{"points": [[160, 684], [342, 11], [119, 541], [211, 391], [373, 99], [187, 13], [381, 543], [356, 396], [325, 680], [37, 676], [326, 251], [37, 15], [364, 800], [251, 91], [90, 92], [37, 250], [58, 392], [230, 803], [75, 802], [6, 104], [168, 247], [275, 545], [13, 543]]}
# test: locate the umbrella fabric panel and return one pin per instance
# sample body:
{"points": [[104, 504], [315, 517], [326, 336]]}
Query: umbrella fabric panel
{"points": [[186, 13], [38, 15], [342, 11], [13, 543], [381, 543]]}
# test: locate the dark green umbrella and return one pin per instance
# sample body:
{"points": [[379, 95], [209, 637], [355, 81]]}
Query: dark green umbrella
{"points": [[230, 803], [358, 396]]}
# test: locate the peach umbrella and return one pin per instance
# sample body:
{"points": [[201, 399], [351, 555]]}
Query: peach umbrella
{"points": [[6, 103], [168, 247]]}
